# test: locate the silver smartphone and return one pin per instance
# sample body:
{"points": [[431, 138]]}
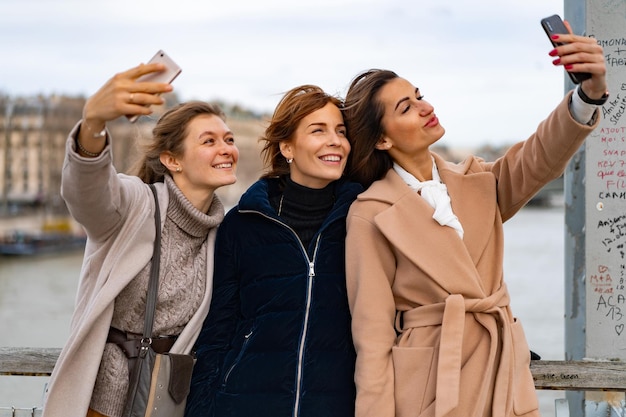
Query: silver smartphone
{"points": [[168, 75]]}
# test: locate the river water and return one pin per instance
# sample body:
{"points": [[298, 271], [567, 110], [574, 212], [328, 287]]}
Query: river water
{"points": [[37, 296]]}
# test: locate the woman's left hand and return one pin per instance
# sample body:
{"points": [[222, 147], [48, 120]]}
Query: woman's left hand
{"points": [[582, 54]]}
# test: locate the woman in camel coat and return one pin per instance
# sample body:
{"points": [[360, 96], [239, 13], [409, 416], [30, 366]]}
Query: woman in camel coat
{"points": [[431, 321]]}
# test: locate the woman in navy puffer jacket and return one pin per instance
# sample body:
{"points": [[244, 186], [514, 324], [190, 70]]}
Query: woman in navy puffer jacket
{"points": [[277, 339]]}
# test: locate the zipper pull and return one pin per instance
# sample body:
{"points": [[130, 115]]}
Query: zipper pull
{"points": [[311, 269]]}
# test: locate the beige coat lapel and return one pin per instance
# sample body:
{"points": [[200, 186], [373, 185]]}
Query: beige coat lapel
{"points": [[472, 196], [408, 211]]}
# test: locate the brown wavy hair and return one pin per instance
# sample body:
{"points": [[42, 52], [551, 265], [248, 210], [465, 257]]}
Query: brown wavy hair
{"points": [[295, 105], [363, 115], [169, 135]]}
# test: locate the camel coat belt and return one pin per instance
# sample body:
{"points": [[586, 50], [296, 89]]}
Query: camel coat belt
{"points": [[450, 315]]}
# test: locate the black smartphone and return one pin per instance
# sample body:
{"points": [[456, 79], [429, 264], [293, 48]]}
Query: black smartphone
{"points": [[554, 25]]}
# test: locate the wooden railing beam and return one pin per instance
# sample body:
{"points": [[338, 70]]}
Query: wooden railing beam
{"points": [[22, 361], [548, 375]]}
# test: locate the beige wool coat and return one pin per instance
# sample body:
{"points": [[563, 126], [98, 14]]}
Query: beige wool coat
{"points": [[117, 212], [459, 351]]}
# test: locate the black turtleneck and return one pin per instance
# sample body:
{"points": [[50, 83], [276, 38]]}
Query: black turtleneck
{"points": [[304, 209]]}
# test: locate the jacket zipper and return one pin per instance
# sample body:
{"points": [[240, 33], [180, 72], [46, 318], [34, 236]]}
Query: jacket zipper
{"points": [[311, 265], [309, 291]]}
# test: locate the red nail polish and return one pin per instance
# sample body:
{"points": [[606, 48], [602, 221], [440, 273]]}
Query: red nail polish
{"points": [[552, 52], [556, 61], [568, 67], [555, 37]]}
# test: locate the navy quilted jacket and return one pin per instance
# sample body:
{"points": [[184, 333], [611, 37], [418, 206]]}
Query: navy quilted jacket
{"points": [[277, 339]]}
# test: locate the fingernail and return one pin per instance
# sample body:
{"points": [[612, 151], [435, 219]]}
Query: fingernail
{"points": [[553, 52], [556, 61], [555, 37], [568, 67]]}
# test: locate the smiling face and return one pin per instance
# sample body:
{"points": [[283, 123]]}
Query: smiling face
{"points": [[409, 123], [209, 159], [319, 148]]}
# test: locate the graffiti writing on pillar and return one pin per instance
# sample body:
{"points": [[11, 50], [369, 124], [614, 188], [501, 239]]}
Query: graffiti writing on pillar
{"points": [[611, 299], [615, 107], [611, 163], [613, 233]]}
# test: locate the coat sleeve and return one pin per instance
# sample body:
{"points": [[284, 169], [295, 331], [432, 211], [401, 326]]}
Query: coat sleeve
{"points": [[529, 165], [370, 267], [218, 328], [96, 196]]}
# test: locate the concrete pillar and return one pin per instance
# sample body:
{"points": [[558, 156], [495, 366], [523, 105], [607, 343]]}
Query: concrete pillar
{"points": [[595, 198]]}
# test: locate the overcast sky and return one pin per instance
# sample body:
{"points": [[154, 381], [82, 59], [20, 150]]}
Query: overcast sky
{"points": [[483, 64]]}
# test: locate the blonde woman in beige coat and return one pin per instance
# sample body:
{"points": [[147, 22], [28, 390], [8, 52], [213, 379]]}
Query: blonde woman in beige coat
{"points": [[191, 155], [432, 325]]}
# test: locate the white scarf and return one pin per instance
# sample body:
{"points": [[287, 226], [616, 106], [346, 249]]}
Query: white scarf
{"points": [[436, 195]]}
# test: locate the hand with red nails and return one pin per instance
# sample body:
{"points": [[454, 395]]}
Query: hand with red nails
{"points": [[582, 54]]}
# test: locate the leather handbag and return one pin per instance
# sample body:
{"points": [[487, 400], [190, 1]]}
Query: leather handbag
{"points": [[159, 382]]}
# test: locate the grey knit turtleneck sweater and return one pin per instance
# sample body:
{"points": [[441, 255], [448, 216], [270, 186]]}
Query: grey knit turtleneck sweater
{"points": [[182, 282]]}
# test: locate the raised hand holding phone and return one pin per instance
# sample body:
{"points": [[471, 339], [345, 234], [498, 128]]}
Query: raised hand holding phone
{"points": [[128, 93], [554, 25], [168, 75]]}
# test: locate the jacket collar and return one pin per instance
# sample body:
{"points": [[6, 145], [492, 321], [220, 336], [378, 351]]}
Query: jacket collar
{"points": [[256, 198], [473, 201]]}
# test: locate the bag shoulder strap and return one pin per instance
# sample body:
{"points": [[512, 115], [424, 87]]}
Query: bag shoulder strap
{"points": [[153, 284]]}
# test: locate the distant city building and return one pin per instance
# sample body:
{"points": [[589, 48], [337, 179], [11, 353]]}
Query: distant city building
{"points": [[32, 140], [33, 133]]}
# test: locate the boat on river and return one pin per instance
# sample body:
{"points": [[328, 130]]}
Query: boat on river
{"points": [[19, 243], [54, 235]]}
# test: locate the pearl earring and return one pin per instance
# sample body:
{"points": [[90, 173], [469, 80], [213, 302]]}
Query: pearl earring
{"points": [[289, 160], [179, 169]]}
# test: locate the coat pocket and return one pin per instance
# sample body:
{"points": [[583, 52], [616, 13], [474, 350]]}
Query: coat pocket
{"points": [[524, 394], [412, 367], [237, 360]]}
